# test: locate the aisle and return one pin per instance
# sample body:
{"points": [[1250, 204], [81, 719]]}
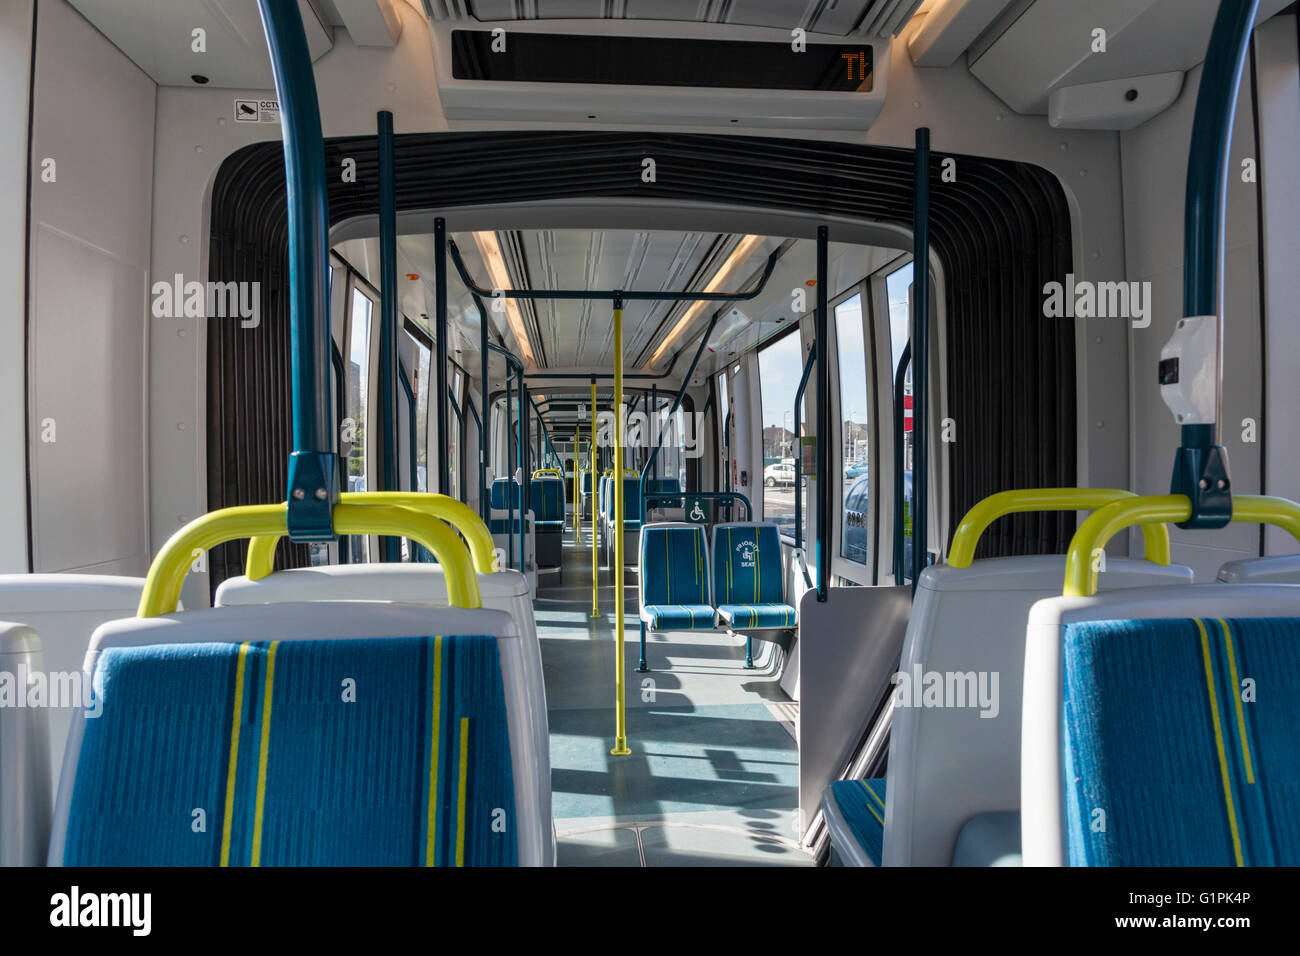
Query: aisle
{"points": [[713, 775]]}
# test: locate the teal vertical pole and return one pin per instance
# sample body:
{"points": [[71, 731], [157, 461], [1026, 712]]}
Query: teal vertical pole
{"points": [[441, 345], [920, 349], [388, 475], [313, 476], [822, 338], [1201, 464]]}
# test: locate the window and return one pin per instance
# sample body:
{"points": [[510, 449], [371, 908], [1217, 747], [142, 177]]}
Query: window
{"points": [[358, 388], [421, 389], [724, 421], [854, 429], [780, 364], [457, 400], [354, 430], [897, 288]]}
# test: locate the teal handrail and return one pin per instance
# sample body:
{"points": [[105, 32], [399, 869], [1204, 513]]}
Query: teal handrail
{"points": [[313, 467]]}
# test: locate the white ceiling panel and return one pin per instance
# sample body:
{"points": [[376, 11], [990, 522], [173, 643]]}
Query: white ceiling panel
{"points": [[159, 38]]}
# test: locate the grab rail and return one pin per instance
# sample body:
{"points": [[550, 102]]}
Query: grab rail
{"points": [[261, 550], [978, 519], [1080, 566], [162, 588]]}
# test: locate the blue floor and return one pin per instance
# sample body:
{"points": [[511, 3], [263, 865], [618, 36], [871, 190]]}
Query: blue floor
{"points": [[713, 774]]}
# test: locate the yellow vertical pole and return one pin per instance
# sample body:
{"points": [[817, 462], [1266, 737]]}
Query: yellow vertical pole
{"points": [[595, 524], [620, 704]]}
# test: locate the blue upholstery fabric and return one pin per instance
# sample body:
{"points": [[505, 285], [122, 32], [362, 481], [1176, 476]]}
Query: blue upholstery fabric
{"points": [[747, 576], [631, 501], [501, 525], [546, 500], [680, 617], [499, 500], [674, 565], [586, 483], [1165, 763], [757, 616], [286, 770], [862, 804]]}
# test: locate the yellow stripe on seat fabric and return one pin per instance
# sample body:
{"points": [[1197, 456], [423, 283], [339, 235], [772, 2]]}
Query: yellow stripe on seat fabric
{"points": [[237, 712], [1219, 745], [1241, 715], [269, 680], [435, 732]]}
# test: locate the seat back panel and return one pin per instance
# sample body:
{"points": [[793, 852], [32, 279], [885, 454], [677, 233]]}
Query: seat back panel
{"points": [[1189, 774], [286, 761], [747, 564], [968, 624], [674, 565]]}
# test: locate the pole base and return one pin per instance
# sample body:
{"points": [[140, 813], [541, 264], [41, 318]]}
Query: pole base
{"points": [[642, 668], [622, 751]]}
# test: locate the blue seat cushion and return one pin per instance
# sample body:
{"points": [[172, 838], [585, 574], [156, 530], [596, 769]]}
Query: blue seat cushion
{"points": [[550, 525], [501, 525], [679, 617], [1179, 742], [757, 616], [265, 746], [862, 804]]}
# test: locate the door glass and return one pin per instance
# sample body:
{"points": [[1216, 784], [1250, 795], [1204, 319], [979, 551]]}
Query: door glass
{"points": [[779, 368], [854, 428]]}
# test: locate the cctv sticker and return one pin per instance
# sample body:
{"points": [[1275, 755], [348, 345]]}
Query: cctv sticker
{"points": [[257, 111]]}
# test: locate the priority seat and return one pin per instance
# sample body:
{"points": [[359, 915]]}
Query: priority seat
{"points": [[749, 578], [673, 580], [1160, 726], [247, 736], [957, 766]]}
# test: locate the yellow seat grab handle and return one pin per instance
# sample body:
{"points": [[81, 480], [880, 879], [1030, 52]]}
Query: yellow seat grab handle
{"points": [[1104, 523], [261, 550], [977, 520], [547, 471], [162, 587]]}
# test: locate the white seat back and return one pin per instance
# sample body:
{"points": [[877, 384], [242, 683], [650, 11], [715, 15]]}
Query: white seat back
{"points": [[65, 609], [342, 621], [1042, 816], [948, 764]]}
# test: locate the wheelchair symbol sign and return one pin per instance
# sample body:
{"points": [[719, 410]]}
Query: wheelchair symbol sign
{"points": [[697, 513]]}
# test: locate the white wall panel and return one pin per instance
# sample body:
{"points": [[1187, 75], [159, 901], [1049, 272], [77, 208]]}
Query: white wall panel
{"points": [[15, 74], [93, 114]]}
